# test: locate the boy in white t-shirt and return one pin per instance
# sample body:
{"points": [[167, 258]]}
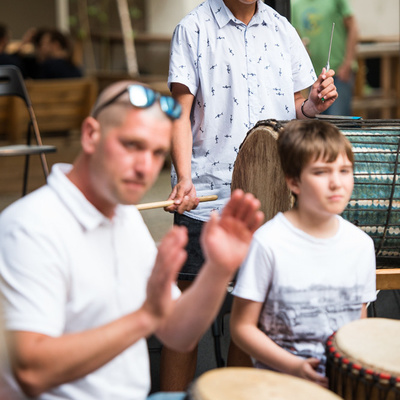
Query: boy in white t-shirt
{"points": [[308, 271]]}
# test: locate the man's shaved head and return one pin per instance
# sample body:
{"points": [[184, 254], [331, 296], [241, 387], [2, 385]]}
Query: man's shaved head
{"points": [[113, 115]]}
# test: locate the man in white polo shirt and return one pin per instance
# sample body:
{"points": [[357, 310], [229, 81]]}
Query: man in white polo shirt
{"points": [[82, 281]]}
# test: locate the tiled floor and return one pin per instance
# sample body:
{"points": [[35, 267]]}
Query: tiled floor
{"points": [[157, 220]]}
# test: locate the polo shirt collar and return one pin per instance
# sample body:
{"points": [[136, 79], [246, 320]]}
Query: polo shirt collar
{"points": [[223, 14], [84, 211]]}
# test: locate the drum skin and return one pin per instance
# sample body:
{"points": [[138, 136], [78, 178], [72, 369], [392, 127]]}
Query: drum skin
{"points": [[235, 383], [258, 170], [364, 360]]}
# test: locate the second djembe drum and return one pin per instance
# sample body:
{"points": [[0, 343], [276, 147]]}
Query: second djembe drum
{"points": [[363, 360]]}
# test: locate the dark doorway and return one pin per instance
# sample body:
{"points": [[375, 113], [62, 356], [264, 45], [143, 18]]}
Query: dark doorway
{"points": [[282, 6]]}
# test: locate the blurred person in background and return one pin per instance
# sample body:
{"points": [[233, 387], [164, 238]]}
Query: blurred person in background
{"points": [[50, 56], [7, 58], [313, 20]]}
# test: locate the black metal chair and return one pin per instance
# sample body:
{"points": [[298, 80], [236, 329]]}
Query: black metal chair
{"points": [[12, 84]]}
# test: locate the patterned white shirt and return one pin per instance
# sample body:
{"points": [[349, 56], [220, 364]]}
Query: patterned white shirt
{"points": [[239, 74]]}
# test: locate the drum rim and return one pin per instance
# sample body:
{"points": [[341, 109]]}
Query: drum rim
{"points": [[382, 377], [197, 387]]}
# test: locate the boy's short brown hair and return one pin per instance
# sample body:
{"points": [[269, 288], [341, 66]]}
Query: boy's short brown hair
{"points": [[304, 141]]}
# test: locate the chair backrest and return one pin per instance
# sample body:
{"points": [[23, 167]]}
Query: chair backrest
{"points": [[59, 104], [62, 104], [12, 83], [5, 110]]}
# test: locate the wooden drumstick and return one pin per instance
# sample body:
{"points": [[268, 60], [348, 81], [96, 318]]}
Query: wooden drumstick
{"points": [[166, 203]]}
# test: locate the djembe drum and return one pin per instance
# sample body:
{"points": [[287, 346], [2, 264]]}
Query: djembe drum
{"points": [[258, 169], [375, 202], [235, 383], [363, 360]]}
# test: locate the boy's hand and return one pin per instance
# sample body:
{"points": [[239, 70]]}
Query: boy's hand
{"points": [[307, 370], [225, 240]]}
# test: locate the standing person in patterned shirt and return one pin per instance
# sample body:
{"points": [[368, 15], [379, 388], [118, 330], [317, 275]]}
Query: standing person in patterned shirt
{"points": [[232, 63]]}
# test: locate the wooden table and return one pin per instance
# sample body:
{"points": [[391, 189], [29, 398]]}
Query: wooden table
{"points": [[387, 279]]}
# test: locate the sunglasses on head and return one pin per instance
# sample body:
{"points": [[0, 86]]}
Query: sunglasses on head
{"points": [[143, 97]]}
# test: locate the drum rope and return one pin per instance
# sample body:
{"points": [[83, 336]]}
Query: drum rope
{"points": [[390, 201], [272, 123], [386, 124], [389, 124]]}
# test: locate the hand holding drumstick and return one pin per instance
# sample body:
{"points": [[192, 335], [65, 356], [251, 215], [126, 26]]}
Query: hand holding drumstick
{"points": [[167, 203]]}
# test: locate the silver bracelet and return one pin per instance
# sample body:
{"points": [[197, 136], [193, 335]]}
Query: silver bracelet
{"points": [[302, 110]]}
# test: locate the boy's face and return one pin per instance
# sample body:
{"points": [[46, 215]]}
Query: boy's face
{"points": [[324, 188]]}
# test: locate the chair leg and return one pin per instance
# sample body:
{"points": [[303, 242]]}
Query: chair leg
{"points": [[34, 126], [217, 329], [42, 160], [26, 166], [44, 165], [26, 172], [216, 332]]}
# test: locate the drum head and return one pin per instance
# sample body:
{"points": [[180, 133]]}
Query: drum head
{"points": [[233, 383], [258, 170], [372, 343]]}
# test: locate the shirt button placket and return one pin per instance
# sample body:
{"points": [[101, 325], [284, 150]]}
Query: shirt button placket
{"points": [[251, 77]]}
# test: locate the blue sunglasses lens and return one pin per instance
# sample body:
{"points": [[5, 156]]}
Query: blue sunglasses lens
{"points": [[170, 106], [141, 96]]}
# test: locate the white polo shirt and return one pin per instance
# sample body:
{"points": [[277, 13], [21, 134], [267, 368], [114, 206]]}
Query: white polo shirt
{"points": [[67, 268], [239, 74]]}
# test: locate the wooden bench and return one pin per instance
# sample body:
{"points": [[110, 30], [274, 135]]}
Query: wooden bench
{"points": [[5, 111], [59, 105]]}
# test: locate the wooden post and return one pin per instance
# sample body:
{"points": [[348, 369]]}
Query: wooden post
{"points": [[87, 45], [127, 32]]}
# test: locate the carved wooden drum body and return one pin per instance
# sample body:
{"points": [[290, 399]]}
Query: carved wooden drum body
{"points": [[375, 202], [363, 360]]}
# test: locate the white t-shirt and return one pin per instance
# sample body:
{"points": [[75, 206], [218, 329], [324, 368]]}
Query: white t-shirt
{"points": [[309, 286], [67, 268], [239, 75]]}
